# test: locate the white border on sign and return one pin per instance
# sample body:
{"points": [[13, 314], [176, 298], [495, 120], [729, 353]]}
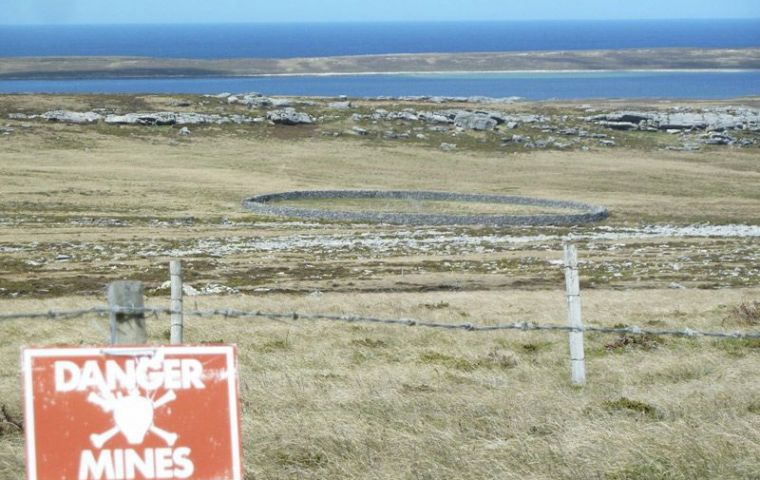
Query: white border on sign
{"points": [[227, 350], [31, 456]]}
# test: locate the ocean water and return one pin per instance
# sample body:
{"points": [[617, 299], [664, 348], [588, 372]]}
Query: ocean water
{"points": [[310, 40], [534, 86]]}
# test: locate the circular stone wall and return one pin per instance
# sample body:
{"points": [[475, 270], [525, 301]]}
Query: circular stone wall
{"points": [[577, 212]]}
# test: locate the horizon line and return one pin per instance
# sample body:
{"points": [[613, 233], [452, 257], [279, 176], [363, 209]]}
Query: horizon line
{"points": [[380, 22]]}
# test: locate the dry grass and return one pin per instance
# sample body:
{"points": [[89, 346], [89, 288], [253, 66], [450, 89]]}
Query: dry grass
{"points": [[325, 400], [353, 401]]}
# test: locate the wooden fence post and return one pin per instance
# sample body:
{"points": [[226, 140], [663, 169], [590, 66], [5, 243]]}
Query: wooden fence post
{"points": [[127, 328], [573, 292], [175, 274]]}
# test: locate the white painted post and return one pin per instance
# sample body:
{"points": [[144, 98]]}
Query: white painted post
{"points": [[573, 291], [127, 328], [175, 274]]}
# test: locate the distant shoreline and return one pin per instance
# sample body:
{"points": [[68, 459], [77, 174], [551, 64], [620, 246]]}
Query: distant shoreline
{"points": [[503, 72], [587, 61], [379, 74]]}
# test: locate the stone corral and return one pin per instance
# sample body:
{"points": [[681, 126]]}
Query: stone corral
{"points": [[578, 213]]}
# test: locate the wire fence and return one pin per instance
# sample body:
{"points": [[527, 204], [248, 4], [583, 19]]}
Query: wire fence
{"points": [[407, 322]]}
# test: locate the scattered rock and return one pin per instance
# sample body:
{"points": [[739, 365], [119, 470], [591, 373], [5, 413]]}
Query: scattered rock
{"points": [[340, 105], [718, 139], [289, 116], [686, 147]]}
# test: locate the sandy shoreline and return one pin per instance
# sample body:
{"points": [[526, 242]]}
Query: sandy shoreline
{"points": [[503, 72]]}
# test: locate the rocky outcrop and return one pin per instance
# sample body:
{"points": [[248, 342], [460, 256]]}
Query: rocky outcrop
{"points": [[465, 119], [141, 118], [706, 119], [257, 100], [474, 121], [172, 118], [67, 116], [157, 118], [289, 116], [405, 115]]}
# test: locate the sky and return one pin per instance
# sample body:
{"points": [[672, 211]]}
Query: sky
{"points": [[26, 12]]}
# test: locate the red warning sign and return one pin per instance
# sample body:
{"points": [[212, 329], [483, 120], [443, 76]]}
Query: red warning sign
{"points": [[118, 413]]}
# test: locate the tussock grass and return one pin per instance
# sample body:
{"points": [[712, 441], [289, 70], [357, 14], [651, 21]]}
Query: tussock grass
{"points": [[747, 313]]}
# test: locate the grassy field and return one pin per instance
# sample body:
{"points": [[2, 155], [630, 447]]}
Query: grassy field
{"points": [[81, 206], [389, 205]]}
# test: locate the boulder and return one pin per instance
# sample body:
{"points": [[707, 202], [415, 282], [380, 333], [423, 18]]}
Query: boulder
{"points": [[289, 116], [435, 117], [474, 121], [280, 102], [448, 147], [184, 132], [629, 117], [340, 105], [618, 125], [407, 116], [255, 101]]}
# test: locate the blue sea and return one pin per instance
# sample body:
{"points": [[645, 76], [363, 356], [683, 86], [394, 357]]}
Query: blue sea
{"points": [[310, 40], [533, 86], [330, 39]]}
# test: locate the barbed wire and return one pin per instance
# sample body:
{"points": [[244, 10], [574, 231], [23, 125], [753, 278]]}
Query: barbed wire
{"points": [[408, 322]]}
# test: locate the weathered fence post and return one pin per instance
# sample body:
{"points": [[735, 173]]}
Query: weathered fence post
{"points": [[127, 328], [175, 273], [573, 291]]}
